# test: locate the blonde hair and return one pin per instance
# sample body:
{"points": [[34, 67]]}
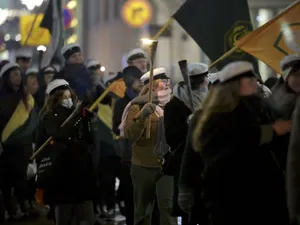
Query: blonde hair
{"points": [[221, 98], [146, 88]]}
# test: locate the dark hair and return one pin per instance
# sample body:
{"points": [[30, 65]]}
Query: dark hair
{"points": [[52, 101], [25, 80], [196, 81], [6, 84], [2, 63]]}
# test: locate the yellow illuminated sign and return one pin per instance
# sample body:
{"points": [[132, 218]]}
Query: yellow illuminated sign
{"points": [[136, 13]]}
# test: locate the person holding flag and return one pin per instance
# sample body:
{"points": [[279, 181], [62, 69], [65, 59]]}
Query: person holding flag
{"points": [[65, 172]]}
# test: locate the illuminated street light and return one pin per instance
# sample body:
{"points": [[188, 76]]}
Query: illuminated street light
{"points": [[41, 48], [71, 4], [102, 68], [18, 37], [6, 37]]}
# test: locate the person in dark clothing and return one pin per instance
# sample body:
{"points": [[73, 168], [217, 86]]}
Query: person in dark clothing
{"points": [[232, 137], [133, 84], [46, 76], [282, 103], [271, 82], [189, 182], [179, 109], [291, 69], [31, 86], [70, 182], [137, 57], [24, 60], [17, 122], [31, 81], [75, 72]]}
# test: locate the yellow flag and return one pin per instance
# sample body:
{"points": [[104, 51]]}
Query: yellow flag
{"points": [[119, 88], [39, 36], [275, 39], [105, 115]]}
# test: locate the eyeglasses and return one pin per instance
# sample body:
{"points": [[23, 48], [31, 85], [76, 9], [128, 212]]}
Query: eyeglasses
{"points": [[166, 81]]}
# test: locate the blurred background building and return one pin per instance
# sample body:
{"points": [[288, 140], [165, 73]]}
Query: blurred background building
{"points": [[99, 27]]}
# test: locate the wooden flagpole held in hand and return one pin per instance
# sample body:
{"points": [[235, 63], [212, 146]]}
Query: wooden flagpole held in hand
{"points": [[153, 48], [91, 108]]}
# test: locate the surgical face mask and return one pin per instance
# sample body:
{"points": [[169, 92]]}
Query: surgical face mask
{"points": [[68, 103]]}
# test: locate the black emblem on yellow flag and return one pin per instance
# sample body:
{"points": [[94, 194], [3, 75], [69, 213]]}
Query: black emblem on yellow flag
{"points": [[236, 32], [288, 39]]}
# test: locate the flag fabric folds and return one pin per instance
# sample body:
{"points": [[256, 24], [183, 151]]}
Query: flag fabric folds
{"points": [[48, 19], [53, 21], [216, 25], [275, 39]]}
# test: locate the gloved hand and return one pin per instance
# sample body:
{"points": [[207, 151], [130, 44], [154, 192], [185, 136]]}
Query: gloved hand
{"points": [[142, 99], [185, 199], [147, 110], [86, 113]]}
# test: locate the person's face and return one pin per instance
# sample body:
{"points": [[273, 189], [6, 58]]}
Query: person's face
{"points": [[163, 84], [293, 81], [248, 86], [137, 85], [48, 78], [76, 58], [98, 72], [32, 84], [24, 64], [140, 63], [66, 95], [15, 77]]}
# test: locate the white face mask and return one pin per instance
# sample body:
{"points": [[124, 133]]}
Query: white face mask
{"points": [[68, 103]]}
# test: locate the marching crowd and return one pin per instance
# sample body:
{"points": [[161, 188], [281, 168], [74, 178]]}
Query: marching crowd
{"points": [[221, 149]]}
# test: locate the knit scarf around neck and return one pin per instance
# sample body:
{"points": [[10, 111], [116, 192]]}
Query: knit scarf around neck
{"points": [[164, 97], [180, 91]]}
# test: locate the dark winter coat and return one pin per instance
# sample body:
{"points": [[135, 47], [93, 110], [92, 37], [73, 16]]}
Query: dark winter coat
{"points": [[123, 144], [241, 180], [293, 168], [176, 133], [282, 103], [72, 178]]}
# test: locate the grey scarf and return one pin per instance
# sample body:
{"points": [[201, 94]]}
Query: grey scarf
{"points": [[180, 92]]}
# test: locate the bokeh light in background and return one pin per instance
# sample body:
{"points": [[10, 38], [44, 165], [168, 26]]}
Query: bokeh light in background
{"points": [[72, 23], [2, 42], [67, 17]]}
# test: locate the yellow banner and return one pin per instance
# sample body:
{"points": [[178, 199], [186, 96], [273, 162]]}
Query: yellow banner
{"points": [[275, 39], [105, 115], [119, 88], [39, 36]]}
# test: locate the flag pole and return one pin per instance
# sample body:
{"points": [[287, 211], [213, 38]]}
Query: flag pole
{"points": [[227, 54], [164, 27], [91, 108]]}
